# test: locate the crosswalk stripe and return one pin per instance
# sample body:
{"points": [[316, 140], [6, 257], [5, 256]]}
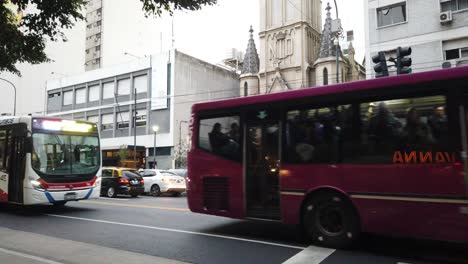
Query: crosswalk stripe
{"points": [[310, 255]]}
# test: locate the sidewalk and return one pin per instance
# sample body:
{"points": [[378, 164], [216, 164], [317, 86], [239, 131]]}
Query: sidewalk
{"points": [[17, 247]]}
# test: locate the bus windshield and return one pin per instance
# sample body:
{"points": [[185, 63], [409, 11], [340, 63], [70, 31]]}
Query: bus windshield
{"points": [[55, 154]]}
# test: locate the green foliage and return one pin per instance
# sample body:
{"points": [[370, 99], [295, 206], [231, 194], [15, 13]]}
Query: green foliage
{"points": [[157, 7], [123, 153], [24, 41]]}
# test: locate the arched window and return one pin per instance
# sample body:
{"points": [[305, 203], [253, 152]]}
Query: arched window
{"points": [[325, 76], [246, 89]]}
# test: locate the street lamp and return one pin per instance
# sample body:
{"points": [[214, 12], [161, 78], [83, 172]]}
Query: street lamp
{"points": [[155, 130], [14, 88]]}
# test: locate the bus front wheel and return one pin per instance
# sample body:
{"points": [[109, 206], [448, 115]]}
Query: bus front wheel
{"points": [[330, 220]]}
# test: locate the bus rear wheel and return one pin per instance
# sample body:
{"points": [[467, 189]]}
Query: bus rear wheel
{"points": [[61, 203], [330, 220]]}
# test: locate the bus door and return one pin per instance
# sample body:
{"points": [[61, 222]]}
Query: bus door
{"points": [[262, 165], [12, 162]]}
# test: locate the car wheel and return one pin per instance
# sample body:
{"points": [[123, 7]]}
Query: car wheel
{"points": [[60, 203], [134, 195], [330, 220], [111, 192], [155, 190]]}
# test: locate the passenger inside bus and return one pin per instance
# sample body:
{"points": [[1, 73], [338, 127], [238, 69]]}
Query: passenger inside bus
{"points": [[221, 143], [383, 130], [416, 135]]}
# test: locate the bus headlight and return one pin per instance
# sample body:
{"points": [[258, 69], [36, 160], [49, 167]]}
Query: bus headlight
{"points": [[37, 185], [97, 182]]}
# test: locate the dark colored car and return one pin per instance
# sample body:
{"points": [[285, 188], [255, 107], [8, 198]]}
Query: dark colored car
{"points": [[121, 181]]}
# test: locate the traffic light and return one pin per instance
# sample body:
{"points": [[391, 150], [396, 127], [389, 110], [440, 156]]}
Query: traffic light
{"points": [[403, 64], [380, 67]]}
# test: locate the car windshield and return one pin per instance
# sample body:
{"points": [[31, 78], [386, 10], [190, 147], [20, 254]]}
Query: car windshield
{"points": [[65, 154]]}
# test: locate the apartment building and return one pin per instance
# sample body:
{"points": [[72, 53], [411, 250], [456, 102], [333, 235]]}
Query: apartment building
{"points": [[436, 30], [161, 90]]}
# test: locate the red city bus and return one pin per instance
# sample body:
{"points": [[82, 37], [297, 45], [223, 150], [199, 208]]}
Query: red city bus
{"points": [[384, 156]]}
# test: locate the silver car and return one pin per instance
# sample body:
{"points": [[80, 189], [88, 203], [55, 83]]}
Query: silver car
{"points": [[158, 182]]}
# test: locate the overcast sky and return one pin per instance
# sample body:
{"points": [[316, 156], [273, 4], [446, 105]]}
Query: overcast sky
{"points": [[207, 34]]}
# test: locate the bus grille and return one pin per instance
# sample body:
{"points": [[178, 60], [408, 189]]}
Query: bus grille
{"points": [[216, 193]]}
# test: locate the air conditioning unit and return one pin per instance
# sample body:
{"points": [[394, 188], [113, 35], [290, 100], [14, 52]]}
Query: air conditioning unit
{"points": [[449, 64], [445, 17]]}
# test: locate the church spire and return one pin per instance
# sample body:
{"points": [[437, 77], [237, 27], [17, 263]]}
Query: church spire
{"points": [[327, 48], [251, 59]]}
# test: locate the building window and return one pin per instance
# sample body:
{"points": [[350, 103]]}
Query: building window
{"points": [[123, 119], [452, 54], [453, 5], [246, 89], [93, 119], [141, 117], [98, 48], [325, 76], [93, 94], [391, 15], [80, 96], [107, 121], [108, 90], [56, 94], [123, 87], [141, 83], [68, 98]]}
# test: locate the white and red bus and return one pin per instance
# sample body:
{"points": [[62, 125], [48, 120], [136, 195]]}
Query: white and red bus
{"points": [[48, 160], [384, 156]]}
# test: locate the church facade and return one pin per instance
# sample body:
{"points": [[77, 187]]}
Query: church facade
{"points": [[292, 51]]}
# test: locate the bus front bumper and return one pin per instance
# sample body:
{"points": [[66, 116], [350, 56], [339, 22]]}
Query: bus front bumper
{"points": [[33, 196]]}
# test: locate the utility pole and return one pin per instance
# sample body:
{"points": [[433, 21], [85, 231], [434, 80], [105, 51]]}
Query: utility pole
{"points": [[337, 44], [134, 127]]}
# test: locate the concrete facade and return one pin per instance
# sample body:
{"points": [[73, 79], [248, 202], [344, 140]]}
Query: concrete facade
{"points": [[93, 34], [166, 84], [422, 30]]}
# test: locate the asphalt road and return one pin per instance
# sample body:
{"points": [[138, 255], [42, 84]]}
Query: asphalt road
{"points": [[164, 227]]}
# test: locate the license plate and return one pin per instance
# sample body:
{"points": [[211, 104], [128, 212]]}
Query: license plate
{"points": [[134, 182], [70, 196]]}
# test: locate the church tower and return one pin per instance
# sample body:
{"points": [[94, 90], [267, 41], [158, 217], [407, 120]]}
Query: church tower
{"points": [[249, 82], [289, 43]]}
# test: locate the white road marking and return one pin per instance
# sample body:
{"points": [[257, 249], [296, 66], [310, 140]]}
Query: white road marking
{"points": [[178, 231], [113, 199], [310, 255], [19, 254]]}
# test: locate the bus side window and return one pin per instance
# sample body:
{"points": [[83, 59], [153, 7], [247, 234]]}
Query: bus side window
{"points": [[316, 135], [221, 136], [402, 126]]}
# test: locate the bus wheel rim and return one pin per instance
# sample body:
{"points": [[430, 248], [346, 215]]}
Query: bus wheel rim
{"points": [[330, 220]]}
